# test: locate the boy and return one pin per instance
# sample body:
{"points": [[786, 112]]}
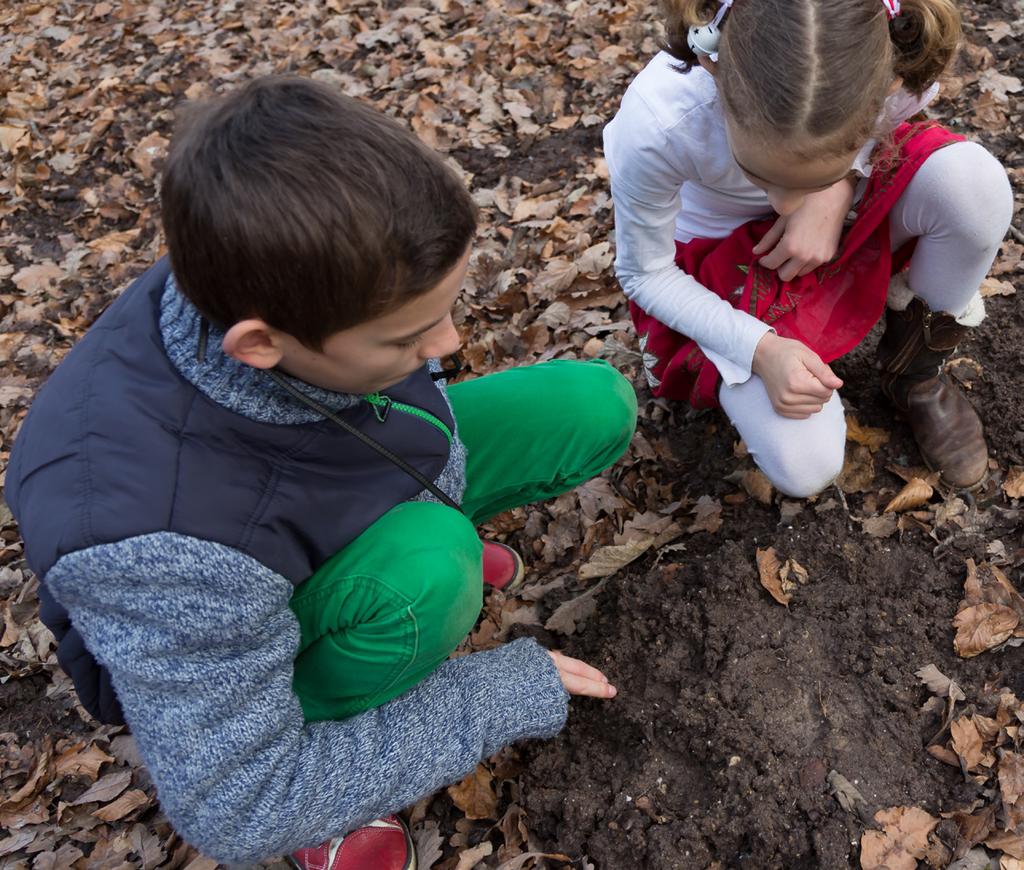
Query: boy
{"points": [[227, 558]]}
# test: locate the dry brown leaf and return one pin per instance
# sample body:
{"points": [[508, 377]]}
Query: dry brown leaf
{"points": [[147, 152], [513, 824], [881, 526], [114, 242], [973, 827], [999, 85], [557, 276], [708, 515], [1011, 777], [518, 861], [1007, 862], [768, 569], [471, 857], [106, 788], [869, 436], [902, 841], [81, 762], [536, 208], [17, 841], [596, 259], [659, 526], [987, 727], [607, 560], [792, 572], [906, 474], [981, 627], [973, 859], [944, 754], [997, 287], [939, 684], [987, 583], [847, 794], [966, 742], [429, 844], [1013, 486], [13, 138], [999, 30], [32, 811], [597, 496], [36, 781], [1007, 841], [38, 278], [915, 493], [475, 794], [757, 485], [63, 858], [127, 803], [570, 614], [858, 474]]}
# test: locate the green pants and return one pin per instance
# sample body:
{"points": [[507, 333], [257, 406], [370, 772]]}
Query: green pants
{"points": [[381, 615]]}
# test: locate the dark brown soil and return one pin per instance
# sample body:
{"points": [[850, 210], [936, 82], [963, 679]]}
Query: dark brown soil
{"points": [[732, 709]]}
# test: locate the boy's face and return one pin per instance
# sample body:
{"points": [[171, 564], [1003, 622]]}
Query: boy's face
{"points": [[379, 353], [366, 358]]}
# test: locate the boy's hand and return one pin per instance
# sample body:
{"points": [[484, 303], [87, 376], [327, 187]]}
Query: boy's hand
{"points": [[579, 678], [797, 381], [800, 242]]}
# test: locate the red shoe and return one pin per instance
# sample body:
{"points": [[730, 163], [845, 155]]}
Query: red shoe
{"points": [[383, 844], [503, 567]]}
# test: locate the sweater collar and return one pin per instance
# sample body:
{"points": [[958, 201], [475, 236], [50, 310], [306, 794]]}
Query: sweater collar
{"points": [[233, 385]]}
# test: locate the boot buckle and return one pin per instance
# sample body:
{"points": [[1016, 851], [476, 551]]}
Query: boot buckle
{"points": [[926, 328]]}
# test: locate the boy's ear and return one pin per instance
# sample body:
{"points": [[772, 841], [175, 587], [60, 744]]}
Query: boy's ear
{"points": [[254, 343]]}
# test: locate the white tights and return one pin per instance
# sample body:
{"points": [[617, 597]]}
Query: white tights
{"points": [[958, 207]]}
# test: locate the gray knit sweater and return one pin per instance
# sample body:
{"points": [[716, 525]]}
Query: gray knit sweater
{"points": [[200, 642]]}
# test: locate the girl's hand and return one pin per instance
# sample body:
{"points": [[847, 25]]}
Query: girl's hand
{"points": [[799, 243], [579, 678], [797, 381]]}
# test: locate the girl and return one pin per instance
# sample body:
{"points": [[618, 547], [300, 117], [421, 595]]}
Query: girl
{"points": [[802, 108]]}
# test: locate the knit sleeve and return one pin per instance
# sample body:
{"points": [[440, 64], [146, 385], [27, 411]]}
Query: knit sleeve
{"points": [[200, 642]]}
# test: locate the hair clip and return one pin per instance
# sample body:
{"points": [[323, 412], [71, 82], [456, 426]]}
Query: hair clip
{"points": [[892, 8], [704, 40]]}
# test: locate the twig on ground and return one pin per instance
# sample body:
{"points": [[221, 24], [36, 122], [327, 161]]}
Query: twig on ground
{"points": [[846, 506]]}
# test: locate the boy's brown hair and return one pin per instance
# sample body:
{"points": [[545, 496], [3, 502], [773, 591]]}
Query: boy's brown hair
{"points": [[293, 203]]}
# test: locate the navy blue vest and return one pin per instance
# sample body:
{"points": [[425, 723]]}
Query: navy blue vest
{"points": [[118, 444]]}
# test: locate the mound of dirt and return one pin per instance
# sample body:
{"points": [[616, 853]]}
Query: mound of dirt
{"points": [[734, 710]]}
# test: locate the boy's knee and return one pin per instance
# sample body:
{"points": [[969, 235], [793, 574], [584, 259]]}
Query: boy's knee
{"points": [[609, 403], [450, 570]]}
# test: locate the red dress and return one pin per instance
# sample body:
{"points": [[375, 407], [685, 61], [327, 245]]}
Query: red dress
{"points": [[830, 309]]}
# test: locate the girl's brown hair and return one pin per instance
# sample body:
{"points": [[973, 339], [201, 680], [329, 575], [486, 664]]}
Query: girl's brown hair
{"points": [[815, 74]]}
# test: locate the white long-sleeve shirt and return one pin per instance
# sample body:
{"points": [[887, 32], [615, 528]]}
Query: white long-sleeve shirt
{"points": [[673, 178]]}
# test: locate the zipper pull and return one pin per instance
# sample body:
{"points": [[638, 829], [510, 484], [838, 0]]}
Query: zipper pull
{"points": [[381, 405]]}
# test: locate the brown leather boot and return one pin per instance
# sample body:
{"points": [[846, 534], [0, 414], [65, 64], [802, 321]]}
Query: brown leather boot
{"points": [[916, 344]]}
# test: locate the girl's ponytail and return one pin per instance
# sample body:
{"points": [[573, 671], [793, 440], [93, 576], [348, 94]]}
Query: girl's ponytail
{"points": [[925, 36], [680, 16]]}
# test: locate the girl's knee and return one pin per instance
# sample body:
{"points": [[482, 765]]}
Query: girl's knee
{"points": [[808, 472], [968, 188]]}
